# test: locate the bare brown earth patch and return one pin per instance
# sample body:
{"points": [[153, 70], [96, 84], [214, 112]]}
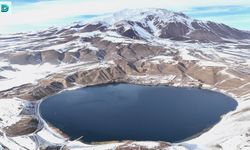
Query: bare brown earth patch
{"points": [[26, 125]]}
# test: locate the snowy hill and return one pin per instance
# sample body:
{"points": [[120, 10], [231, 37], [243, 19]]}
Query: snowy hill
{"points": [[144, 23]]}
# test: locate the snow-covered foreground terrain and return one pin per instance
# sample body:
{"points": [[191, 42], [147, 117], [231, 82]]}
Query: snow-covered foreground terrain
{"points": [[36, 65]]}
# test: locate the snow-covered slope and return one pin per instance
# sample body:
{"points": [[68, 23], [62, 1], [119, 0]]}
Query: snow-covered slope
{"points": [[167, 24], [141, 15]]}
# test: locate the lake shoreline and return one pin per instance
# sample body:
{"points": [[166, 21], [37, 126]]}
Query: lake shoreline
{"points": [[163, 85]]}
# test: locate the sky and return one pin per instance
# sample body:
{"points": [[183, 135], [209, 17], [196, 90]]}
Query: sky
{"points": [[30, 15]]}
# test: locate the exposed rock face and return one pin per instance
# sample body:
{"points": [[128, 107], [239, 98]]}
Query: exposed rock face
{"points": [[174, 30], [97, 76], [121, 73], [49, 89], [26, 125], [53, 148], [26, 57], [71, 57], [93, 27], [23, 58], [51, 56], [203, 35]]}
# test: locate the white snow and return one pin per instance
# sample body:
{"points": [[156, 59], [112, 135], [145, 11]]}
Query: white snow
{"points": [[49, 135], [155, 30], [12, 145], [80, 146], [25, 74], [161, 16], [143, 33], [224, 72], [9, 111], [89, 34], [140, 15], [162, 58], [185, 55], [148, 144], [210, 64], [26, 142], [229, 133], [119, 39]]}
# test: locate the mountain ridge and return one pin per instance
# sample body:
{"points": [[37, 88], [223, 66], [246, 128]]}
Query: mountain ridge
{"points": [[152, 23], [162, 23]]}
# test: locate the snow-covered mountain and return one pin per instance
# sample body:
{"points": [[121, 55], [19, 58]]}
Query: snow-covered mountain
{"points": [[128, 26], [145, 46], [161, 23]]}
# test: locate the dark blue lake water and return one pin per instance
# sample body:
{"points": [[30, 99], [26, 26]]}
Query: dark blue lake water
{"points": [[135, 112]]}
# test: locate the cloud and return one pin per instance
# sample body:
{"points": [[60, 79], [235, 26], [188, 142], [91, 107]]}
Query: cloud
{"points": [[38, 12]]}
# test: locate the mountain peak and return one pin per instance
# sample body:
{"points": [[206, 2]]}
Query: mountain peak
{"points": [[140, 15], [163, 23], [153, 23], [149, 11]]}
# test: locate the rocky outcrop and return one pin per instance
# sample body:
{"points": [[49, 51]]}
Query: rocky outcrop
{"points": [[58, 82], [24, 57], [93, 27], [71, 57], [97, 76], [120, 72], [174, 30], [204, 36], [26, 125], [104, 51], [51, 56]]}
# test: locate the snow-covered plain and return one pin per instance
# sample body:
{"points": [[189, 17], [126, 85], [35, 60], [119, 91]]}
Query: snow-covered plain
{"points": [[24, 74]]}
